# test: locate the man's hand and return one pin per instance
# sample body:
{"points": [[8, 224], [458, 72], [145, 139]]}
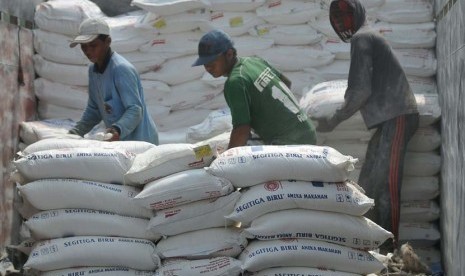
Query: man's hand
{"points": [[114, 134], [325, 125]]}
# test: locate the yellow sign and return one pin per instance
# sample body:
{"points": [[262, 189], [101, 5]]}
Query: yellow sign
{"points": [[203, 151]]}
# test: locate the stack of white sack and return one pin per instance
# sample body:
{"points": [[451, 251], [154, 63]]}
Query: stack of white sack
{"points": [[77, 213], [422, 162], [294, 202], [190, 206]]}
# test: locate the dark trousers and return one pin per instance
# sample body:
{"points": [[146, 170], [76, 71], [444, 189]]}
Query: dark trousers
{"points": [[381, 174]]}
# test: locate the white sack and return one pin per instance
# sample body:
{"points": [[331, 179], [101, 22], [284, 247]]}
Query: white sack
{"points": [[399, 11], [339, 69], [232, 23], [355, 148], [219, 266], [217, 122], [425, 139], [193, 216], [47, 111], [70, 96], [94, 164], [173, 45], [176, 71], [235, 5], [50, 194], [65, 16], [419, 234], [419, 35], [189, 94], [98, 271], [173, 136], [181, 119], [247, 45], [251, 165], [176, 23], [218, 143], [169, 7], [351, 231], [203, 244], [154, 91], [260, 255], [296, 58], [182, 188], [287, 34], [417, 62], [419, 188], [419, 211], [166, 159], [340, 49], [31, 132], [281, 195], [288, 12], [421, 85], [61, 73], [422, 163], [299, 270], [55, 47], [93, 251], [60, 223], [302, 79], [125, 36], [135, 147]]}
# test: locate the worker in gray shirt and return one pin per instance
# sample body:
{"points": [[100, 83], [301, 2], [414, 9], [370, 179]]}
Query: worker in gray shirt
{"points": [[378, 87]]}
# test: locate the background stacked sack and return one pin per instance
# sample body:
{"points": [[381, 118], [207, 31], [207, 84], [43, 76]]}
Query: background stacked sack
{"points": [[295, 36]]}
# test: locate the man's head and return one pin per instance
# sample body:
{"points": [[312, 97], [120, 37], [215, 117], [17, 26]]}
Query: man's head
{"points": [[94, 38], [216, 53], [346, 17]]}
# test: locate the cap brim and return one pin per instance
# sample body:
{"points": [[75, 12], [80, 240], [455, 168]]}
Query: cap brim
{"points": [[204, 60], [82, 39]]}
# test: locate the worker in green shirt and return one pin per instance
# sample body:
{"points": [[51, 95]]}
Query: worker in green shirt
{"points": [[257, 94]]}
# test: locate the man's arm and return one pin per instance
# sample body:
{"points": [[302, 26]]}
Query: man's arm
{"points": [[239, 136]]}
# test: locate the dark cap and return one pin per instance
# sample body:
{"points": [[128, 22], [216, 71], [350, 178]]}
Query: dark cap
{"points": [[211, 45]]}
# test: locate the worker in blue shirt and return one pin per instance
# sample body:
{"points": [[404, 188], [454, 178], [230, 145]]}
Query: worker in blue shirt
{"points": [[115, 90]]}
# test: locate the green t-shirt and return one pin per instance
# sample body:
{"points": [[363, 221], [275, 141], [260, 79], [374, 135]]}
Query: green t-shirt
{"points": [[258, 97]]}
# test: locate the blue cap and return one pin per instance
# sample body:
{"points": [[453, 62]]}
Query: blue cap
{"points": [[211, 45]]}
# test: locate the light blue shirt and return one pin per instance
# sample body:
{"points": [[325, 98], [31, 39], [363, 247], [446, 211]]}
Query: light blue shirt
{"points": [[116, 96]]}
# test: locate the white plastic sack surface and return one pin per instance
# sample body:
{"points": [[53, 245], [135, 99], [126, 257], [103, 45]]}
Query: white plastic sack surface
{"points": [[69, 96], [166, 159], [250, 165], [399, 11], [181, 119], [93, 251], [135, 147], [60, 223], [259, 255], [173, 136], [193, 216], [303, 79], [296, 58], [351, 231], [169, 7], [425, 139], [47, 111], [173, 45], [175, 23], [235, 5], [61, 73], [94, 164], [98, 271], [281, 195], [419, 234], [31, 132], [50, 194], [302, 34], [203, 244], [218, 143], [182, 188], [248, 45], [219, 266], [422, 163], [65, 16], [217, 122], [417, 62], [340, 49], [232, 23], [419, 211], [419, 188], [419, 35], [176, 71], [288, 12], [296, 270]]}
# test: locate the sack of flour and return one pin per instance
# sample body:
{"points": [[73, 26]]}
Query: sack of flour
{"points": [[250, 165]]}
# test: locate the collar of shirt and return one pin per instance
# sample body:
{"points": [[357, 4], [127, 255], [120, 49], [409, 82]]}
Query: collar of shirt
{"points": [[105, 63]]}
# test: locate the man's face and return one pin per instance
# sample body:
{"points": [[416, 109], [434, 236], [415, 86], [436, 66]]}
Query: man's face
{"points": [[96, 50], [217, 67], [342, 20]]}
